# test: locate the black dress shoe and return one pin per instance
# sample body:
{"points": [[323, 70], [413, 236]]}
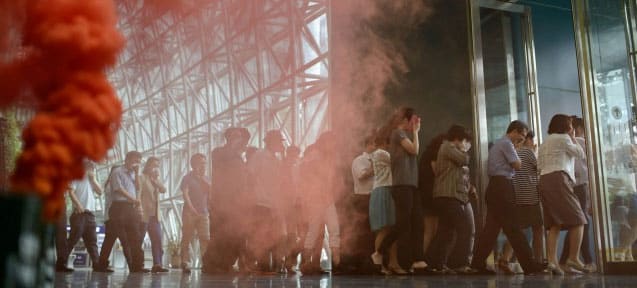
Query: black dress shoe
{"points": [[158, 269], [538, 269], [63, 269]]}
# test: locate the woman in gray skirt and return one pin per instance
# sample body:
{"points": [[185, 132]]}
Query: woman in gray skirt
{"points": [[561, 208]]}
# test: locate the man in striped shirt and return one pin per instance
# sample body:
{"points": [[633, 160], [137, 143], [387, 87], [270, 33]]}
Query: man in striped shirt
{"points": [[502, 163], [528, 210]]}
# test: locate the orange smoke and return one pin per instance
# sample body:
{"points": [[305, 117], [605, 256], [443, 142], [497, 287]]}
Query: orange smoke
{"points": [[66, 47]]}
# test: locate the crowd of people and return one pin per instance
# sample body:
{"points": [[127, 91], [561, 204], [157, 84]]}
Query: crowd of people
{"points": [[402, 214]]}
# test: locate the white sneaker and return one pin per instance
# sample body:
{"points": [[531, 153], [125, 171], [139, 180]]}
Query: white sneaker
{"points": [[517, 268], [377, 258], [419, 265]]}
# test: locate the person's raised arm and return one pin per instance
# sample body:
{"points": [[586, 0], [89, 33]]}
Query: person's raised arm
{"points": [[359, 171], [574, 149], [456, 156], [157, 184], [412, 147], [512, 156]]}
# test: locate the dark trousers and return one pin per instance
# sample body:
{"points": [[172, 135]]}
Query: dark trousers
{"points": [[126, 221], [83, 225], [112, 234], [153, 227], [500, 205], [267, 238], [456, 223], [402, 231], [353, 212], [60, 240], [226, 243], [581, 191], [417, 227]]}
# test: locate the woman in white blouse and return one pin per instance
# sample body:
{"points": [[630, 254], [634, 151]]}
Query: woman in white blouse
{"points": [[562, 210]]}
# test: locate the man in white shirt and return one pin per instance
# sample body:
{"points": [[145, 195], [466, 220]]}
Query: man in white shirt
{"points": [[356, 249], [83, 218], [362, 170]]}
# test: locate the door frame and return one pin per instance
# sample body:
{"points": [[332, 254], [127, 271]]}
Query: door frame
{"points": [[481, 151], [597, 179]]}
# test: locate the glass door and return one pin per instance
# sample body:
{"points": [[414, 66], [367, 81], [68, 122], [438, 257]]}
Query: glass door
{"points": [[504, 73], [507, 85], [605, 33]]}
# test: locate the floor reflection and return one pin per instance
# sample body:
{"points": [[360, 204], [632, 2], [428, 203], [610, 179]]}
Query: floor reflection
{"points": [[86, 278]]}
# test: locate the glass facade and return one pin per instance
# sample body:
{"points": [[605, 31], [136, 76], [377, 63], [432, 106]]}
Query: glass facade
{"points": [[504, 69], [606, 48], [600, 44]]}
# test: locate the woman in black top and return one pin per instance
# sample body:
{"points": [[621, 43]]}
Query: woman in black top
{"points": [[425, 187]]}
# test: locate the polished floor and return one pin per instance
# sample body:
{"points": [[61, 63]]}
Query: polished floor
{"points": [[86, 278]]}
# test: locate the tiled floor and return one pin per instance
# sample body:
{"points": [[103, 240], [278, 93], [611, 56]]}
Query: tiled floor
{"points": [[86, 278]]}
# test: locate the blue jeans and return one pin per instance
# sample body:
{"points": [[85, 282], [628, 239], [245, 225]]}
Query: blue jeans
{"points": [[153, 227]]}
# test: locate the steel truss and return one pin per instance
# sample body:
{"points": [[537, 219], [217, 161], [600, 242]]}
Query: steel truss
{"points": [[186, 76]]}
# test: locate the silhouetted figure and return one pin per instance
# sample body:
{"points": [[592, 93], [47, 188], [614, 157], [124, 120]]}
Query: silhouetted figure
{"points": [[268, 224], [229, 214], [195, 188]]}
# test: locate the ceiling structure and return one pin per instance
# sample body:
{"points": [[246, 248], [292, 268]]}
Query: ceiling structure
{"points": [[190, 72]]}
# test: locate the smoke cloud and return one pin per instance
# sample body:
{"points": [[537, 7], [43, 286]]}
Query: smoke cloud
{"points": [[68, 44], [368, 46], [65, 47], [366, 57]]}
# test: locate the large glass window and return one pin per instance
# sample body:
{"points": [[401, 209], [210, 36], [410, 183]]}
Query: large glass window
{"points": [[614, 108], [504, 69]]}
